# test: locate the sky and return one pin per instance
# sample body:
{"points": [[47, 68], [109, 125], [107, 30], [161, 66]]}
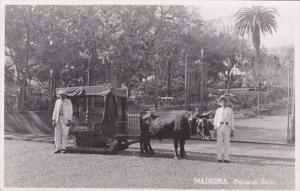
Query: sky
{"points": [[287, 20]]}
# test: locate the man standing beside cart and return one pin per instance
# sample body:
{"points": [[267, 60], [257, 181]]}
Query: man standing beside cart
{"points": [[223, 129], [61, 120]]}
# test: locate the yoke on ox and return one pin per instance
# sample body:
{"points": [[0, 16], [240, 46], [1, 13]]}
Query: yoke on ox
{"points": [[164, 124]]}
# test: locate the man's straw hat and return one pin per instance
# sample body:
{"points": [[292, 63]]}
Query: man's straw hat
{"points": [[223, 98]]}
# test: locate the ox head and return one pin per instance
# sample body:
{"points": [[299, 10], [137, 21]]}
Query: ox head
{"points": [[193, 122], [193, 117], [200, 124], [147, 116], [204, 125], [146, 122]]}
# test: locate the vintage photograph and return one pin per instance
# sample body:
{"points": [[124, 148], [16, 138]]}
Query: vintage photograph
{"points": [[196, 95]]}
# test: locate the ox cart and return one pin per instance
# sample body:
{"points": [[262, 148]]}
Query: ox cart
{"points": [[100, 121]]}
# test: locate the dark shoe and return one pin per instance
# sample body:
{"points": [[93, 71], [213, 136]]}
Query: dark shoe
{"points": [[219, 161], [226, 161], [58, 151]]}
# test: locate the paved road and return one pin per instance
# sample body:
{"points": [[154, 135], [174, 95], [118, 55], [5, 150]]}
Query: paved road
{"points": [[272, 129], [33, 164]]}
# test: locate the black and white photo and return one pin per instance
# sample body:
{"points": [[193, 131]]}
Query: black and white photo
{"points": [[149, 95]]}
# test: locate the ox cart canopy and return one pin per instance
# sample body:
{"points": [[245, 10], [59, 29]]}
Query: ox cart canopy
{"points": [[94, 91]]}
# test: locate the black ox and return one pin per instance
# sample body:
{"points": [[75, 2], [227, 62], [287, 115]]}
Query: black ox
{"points": [[172, 124]]}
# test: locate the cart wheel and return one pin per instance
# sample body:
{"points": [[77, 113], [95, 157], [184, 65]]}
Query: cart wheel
{"points": [[122, 143], [114, 147], [73, 139]]}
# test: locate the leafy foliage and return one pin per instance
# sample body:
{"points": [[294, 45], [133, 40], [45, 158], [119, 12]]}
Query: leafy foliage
{"points": [[255, 20], [118, 44]]}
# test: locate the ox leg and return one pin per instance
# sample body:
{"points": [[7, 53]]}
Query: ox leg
{"points": [[146, 148], [182, 150], [144, 145], [203, 134], [149, 147], [207, 133], [175, 147], [200, 131], [141, 147]]}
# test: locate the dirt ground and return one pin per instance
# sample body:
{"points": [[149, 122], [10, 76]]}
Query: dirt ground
{"points": [[31, 164]]}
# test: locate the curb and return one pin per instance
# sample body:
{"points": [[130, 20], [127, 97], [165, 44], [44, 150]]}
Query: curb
{"points": [[231, 155], [14, 137], [251, 142], [41, 140]]}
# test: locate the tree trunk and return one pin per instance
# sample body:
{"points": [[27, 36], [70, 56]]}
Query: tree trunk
{"points": [[169, 77], [186, 83], [23, 84], [292, 124], [51, 90], [93, 62], [115, 80], [202, 88], [229, 82], [257, 56], [256, 43], [21, 100], [258, 103]]}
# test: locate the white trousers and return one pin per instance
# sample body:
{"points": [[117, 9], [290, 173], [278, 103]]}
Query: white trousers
{"points": [[223, 142], [61, 133]]}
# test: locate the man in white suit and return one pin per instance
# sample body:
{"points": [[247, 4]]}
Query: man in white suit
{"points": [[61, 120], [223, 129]]}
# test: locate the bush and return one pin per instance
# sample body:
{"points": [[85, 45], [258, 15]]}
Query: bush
{"points": [[275, 94], [37, 105]]}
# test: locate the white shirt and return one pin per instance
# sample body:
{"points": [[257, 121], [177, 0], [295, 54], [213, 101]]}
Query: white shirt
{"points": [[224, 115], [64, 107]]}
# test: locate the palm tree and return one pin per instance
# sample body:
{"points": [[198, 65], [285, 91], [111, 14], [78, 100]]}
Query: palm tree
{"points": [[253, 21]]}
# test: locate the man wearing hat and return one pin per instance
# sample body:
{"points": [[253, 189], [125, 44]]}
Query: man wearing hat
{"points": [[223, 129], [61, 120]]}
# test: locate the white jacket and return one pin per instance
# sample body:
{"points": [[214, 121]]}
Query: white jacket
{"points": [[224, 115], [66, 107]]}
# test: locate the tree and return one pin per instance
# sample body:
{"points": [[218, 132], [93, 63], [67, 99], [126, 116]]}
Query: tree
{"points": [[127, 44], [232, 53], [253, 21], [9, 70], [225, 51], [20, 30]]}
